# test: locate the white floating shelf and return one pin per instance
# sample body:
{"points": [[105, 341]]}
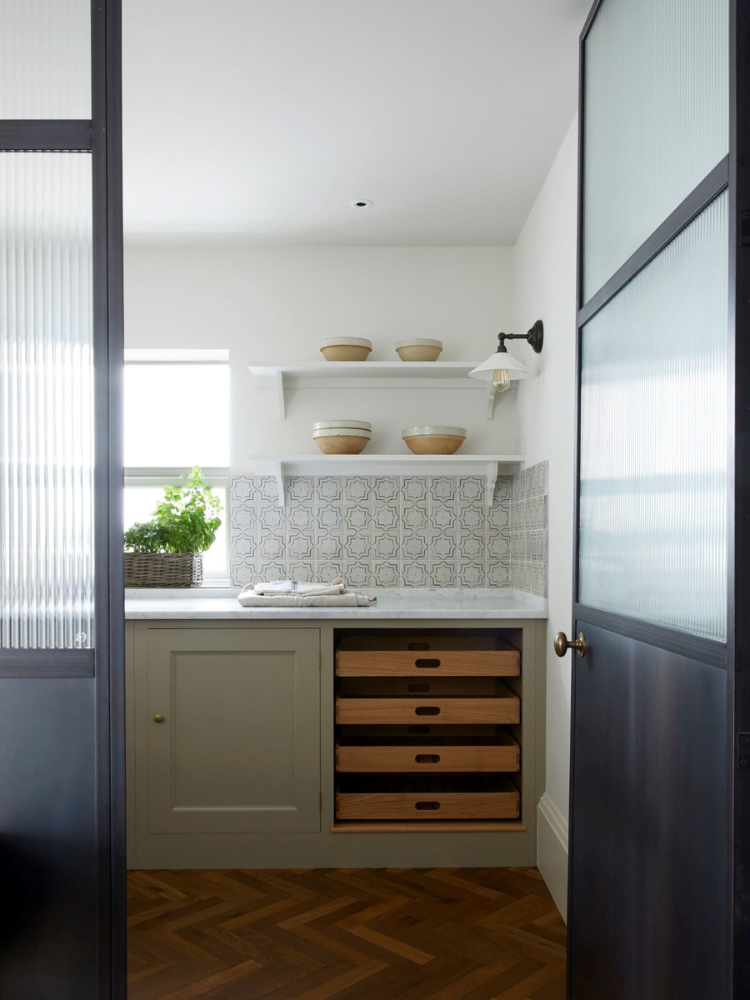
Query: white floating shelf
{"points": [[371, 375], [489, 467]]}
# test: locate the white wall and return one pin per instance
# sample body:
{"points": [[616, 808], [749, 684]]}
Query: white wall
{"points": [[544, 288], [268, 305]]}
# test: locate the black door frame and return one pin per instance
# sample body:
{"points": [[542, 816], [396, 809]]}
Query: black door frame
{"points": [[100, 137], [732, 174]]}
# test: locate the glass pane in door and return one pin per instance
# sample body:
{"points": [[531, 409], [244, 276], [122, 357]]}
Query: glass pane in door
{"points": [[46, 401], [652, 541], [45, 58], [656, 79]]}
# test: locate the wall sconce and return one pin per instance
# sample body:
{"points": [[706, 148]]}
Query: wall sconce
{"points": [[502, 368]]}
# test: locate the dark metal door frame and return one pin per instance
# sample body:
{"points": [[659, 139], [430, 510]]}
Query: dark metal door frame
{"points": [[101, 137], [732, 173]]}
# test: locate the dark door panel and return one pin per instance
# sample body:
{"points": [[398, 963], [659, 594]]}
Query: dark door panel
{"points": [[48, 886], [648, 916]]}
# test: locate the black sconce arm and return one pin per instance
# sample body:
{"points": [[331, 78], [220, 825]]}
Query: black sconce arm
{"points": [[534, 337]]}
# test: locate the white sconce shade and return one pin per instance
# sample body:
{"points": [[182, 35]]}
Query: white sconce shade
{"points": [[502, 360]]}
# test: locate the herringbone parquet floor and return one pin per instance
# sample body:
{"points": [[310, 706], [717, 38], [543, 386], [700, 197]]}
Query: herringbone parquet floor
{"points": [[385, 934]]}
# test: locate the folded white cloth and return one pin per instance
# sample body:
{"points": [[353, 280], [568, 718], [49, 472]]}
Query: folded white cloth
{"points": [[299, 587], [249, 599]]}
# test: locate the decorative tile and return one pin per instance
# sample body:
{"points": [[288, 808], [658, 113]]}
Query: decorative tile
{"points": [[300, 489], [270, 518], [414, 544], [357, 517], [469, 489], [499, 574], [415, 574], [414, 489], [443, 574], [471, 574], [472, 545], [385, 545], [300, 545], [385, 516], [266, 489], [356, 489], [356, 573], [329, 488], [414, 517], [385, 531], [442, 547], [329, 517], [385, 574], [386, 488]]}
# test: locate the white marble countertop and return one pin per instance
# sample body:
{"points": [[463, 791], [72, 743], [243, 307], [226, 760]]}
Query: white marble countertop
{"points": [[204, 603]]}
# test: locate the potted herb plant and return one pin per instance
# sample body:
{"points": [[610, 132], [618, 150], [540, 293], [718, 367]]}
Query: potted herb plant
{"points": [[167, 551]]}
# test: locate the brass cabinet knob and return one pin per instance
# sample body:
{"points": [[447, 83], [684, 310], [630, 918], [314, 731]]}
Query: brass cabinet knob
{"points": [[158, 718], [563, 644]]}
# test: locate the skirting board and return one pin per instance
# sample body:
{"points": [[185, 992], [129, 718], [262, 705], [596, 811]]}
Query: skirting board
{"points": [[552, 851]]}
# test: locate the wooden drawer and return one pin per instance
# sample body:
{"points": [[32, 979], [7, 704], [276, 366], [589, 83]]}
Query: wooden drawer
{"points": [[419, 687], [504, 708], [426, 797], [424, 655], [432, 752]]}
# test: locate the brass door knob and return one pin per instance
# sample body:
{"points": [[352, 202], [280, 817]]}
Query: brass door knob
{"points": [[563, 644], [158, 718]]}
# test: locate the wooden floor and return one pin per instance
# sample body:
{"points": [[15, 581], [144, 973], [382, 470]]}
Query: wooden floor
{"points": [[382, 934]]}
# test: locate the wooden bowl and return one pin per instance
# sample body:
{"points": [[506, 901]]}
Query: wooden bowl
{"points": [[419, 349], [341, 441], [434, 440], [346, 349]]}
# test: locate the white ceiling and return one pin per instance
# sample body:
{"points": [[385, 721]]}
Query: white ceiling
{"points": [[264, 119]]}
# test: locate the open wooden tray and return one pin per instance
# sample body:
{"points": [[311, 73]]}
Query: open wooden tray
{"points": [[465, 751], [424, 654], [426, 797], [503, 707]]}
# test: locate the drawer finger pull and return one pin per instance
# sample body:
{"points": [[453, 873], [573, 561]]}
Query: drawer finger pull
{"points": [[426, 805], [423, 688], [414, 646], [427, 758], [427, 710], [427, 664]]}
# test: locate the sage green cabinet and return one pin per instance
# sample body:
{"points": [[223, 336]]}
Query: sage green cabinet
{"points": [[233, 722]]}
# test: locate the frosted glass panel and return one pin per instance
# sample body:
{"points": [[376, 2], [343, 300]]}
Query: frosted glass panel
{"points": [[46, 401], [656, 119], [45, 58], [653, 439]]}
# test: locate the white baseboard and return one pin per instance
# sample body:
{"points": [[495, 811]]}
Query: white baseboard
{"points": [[552, 851]]}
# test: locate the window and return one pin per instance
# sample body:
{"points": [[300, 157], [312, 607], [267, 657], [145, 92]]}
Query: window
{"points": [[177, 416]]}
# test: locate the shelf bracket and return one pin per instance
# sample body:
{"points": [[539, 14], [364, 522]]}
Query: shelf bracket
{"points": [[278, 475], [491, 403], [280, 395], [493, 469]]}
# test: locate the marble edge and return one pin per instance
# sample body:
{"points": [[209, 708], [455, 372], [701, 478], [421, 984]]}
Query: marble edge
{"points": [[337, 614]]}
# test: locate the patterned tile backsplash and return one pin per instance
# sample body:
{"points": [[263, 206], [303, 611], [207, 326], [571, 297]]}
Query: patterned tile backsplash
{"points": [[383, 531], [529, 530]]}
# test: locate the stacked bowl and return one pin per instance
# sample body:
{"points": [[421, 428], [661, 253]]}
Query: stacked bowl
{"points": [[342, 437]]}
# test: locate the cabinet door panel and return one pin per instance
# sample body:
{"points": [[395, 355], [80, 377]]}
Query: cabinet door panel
{"points": [[239, 748]]}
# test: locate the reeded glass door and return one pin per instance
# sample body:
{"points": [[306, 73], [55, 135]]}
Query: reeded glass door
{"points": [[61, 608], [649, 865]]}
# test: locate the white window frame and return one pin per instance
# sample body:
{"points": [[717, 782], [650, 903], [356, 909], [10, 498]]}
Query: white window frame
{"points": [[153, 476]]}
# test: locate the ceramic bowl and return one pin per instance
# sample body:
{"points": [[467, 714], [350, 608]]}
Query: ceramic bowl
{"points": [[434, 440], [341, 440], [419, 349], [345, 349], [328, 425]]}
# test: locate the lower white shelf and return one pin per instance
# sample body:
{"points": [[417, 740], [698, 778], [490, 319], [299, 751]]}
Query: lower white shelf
{"points": [[489, 467]]}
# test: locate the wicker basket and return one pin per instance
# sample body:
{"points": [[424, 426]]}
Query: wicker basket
{"points": [[163, 569]]}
